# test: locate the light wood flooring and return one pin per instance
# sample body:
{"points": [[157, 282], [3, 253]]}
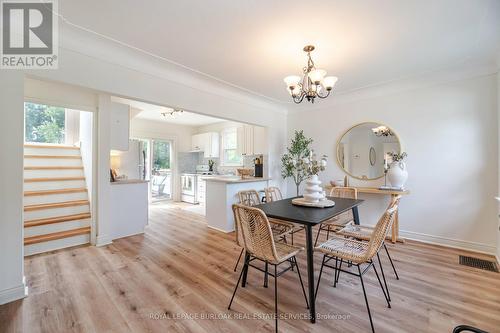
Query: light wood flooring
{"points": [[179, 273]]}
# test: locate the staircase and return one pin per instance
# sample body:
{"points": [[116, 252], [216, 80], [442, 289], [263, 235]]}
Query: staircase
{"points": [[56, 204]]}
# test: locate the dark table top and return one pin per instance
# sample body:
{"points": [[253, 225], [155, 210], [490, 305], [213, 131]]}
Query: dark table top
{"points": [[285, 210]]}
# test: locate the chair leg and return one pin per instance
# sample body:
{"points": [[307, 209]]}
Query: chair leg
{"points": [[266, 275], [319, 277], [291, 235], [337, 274], [239, 258], [387, 299], [328, 233], [383, 277], [276, 298], [366, 299], [237, 283], [317, 236], [392, 264], [301, 283]]}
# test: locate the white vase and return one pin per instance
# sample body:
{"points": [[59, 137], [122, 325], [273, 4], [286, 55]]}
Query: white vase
{"points": [[313, 192], [397, 174]]}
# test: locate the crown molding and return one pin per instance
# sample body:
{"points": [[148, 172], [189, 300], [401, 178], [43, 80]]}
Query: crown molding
{"points": [[89, 43], [452, 74]]}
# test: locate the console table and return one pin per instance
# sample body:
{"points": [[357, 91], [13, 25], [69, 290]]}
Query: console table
{"points": [[394, 237]]}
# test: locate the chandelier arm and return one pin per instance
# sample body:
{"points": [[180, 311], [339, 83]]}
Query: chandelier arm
{"points": [[298, 101], [325, 96]]}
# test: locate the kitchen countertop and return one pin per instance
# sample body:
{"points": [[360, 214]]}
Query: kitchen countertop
{"points": [[235, 179], [129, 181]]}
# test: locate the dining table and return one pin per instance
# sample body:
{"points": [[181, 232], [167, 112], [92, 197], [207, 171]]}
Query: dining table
{"points": [[308, 217]]}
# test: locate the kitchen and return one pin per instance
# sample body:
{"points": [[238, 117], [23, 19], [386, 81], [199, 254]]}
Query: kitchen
{"points": [[182, 155]]}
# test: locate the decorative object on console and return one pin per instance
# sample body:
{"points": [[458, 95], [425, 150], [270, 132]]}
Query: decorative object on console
{"points": [[313, 82], [397, 173]]}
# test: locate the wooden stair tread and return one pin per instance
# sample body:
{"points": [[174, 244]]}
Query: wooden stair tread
{"points": [[53, 168], [56, 235], [63, 204], [50, 146], [54, 156], [50, 220], [51, 179], [50, 192]]}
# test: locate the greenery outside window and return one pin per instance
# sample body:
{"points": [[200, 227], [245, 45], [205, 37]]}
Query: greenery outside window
{"points": [[44, 123], [230, 154]]}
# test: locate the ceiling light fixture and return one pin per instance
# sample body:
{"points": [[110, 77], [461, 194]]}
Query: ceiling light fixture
{"points": [[313, 83], [382, 131], [171, 113]]}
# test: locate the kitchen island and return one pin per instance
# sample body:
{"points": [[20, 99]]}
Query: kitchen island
{"points": [[222, 193]]}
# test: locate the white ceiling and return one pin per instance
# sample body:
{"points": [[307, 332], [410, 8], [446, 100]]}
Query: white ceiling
{"points": [[153, 112], [254, 44]]}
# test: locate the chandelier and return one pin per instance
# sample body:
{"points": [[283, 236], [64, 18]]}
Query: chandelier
{"points": [[171, 113], [382, 131], [312, 84]]}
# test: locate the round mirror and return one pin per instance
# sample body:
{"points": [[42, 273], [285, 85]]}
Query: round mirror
{"points": [[362, 149]]}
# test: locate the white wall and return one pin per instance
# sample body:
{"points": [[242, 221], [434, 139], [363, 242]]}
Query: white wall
{"points": [[87, 148], [450, 132], [498, 192], [11, 186]]}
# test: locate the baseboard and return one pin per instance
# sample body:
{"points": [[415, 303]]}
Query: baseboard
{"points": [[103, 240], [224, 231], [13, 294], [450, 242]]}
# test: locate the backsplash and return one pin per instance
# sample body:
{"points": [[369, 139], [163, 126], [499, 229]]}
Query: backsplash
{"points": [[187, 162]]}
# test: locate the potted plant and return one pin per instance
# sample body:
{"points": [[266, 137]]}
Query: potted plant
{"points": [[397, 173], [299, 163]]}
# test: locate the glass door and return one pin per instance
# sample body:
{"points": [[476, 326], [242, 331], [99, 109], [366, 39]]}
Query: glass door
{"points": [[161, 170]]}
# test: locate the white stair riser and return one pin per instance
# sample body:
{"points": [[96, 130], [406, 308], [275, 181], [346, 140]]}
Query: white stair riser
{"points": [[52, 162], [53, 173], [51, 151], [55, 212], [52, 198], [56, 244], [55, 227], [54, 185]]}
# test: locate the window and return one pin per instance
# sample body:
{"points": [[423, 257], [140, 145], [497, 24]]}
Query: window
{"points": [[230, 154], [44, 123]]}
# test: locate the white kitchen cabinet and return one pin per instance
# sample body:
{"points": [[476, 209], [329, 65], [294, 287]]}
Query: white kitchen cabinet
{"points": [[252, 140], [197, 142], [120, 126], [260, 142], [208, 143]]}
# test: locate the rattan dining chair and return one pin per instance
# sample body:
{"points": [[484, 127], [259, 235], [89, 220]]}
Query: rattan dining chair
{"points": [[258, 241], [279, 228], [363, 233], [340, 221], [273, 193], [358, 253]]}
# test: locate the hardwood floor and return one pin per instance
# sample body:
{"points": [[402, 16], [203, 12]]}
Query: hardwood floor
{"points": [[180, 272]]}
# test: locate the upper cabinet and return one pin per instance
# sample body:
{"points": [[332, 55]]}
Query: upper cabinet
{"points": [[252, 140], [120, 126], [208, 143]]}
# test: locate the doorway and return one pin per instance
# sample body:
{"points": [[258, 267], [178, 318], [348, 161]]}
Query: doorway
{"points": [[156, 166]]}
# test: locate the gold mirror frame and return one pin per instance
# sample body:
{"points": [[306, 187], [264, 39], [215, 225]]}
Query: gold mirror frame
{"points": [[347, 131]]}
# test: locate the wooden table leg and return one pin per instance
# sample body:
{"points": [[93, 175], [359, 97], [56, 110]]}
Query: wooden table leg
{"points": [[310, 272], [395, 226]]}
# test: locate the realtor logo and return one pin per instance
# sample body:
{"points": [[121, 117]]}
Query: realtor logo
{"points": [[29, 34]]}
